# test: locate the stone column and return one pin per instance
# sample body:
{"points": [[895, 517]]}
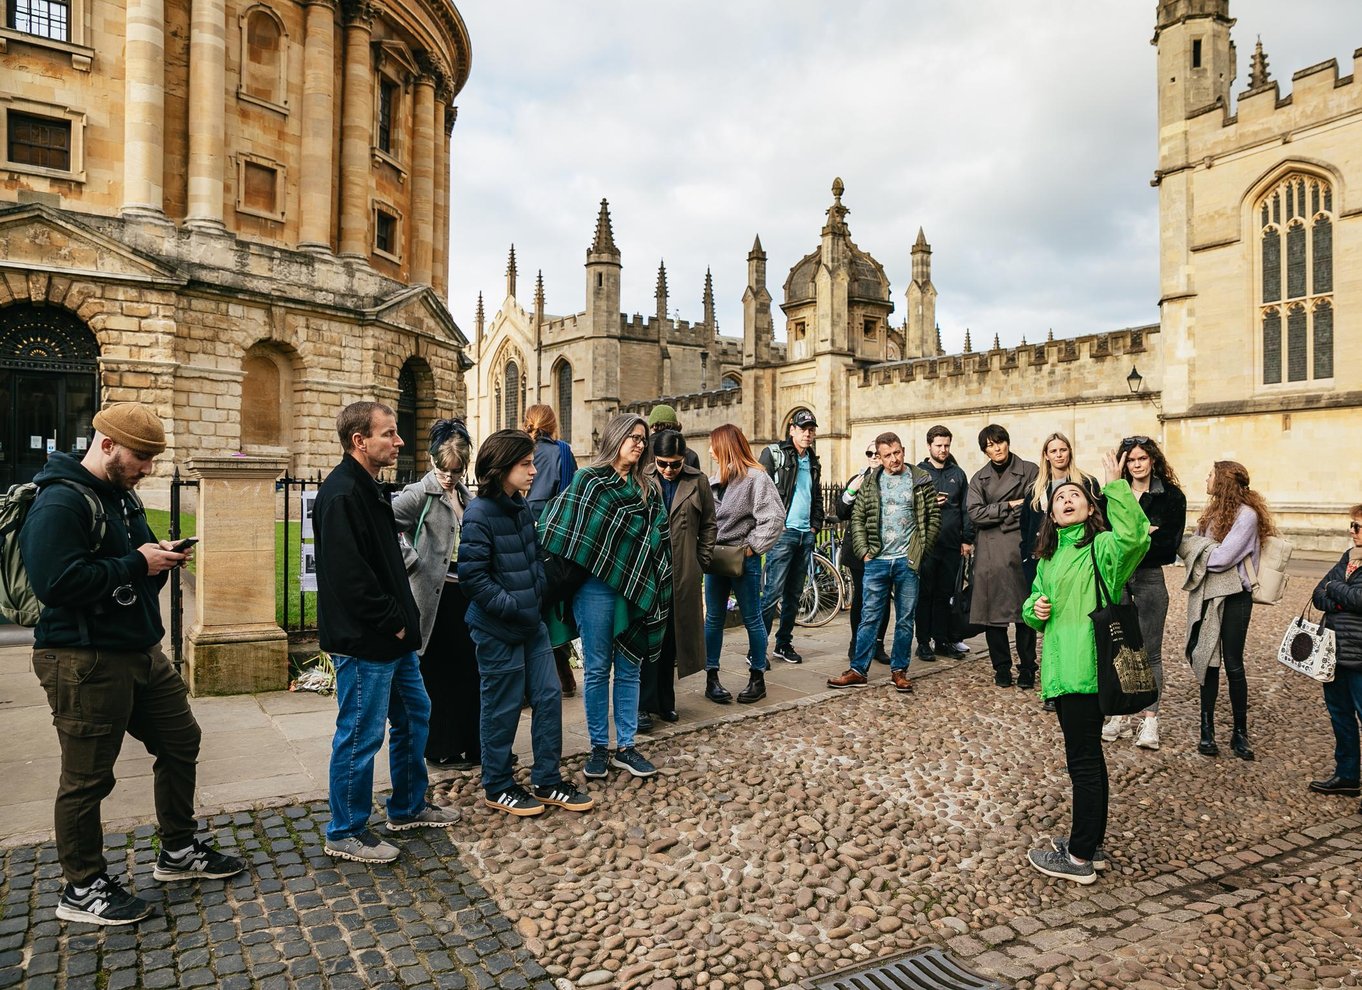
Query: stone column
{"points": [[445, 118], [319, 125], [144, 109], [234, 644], [357, 120], [207, 112], [423, 218]]}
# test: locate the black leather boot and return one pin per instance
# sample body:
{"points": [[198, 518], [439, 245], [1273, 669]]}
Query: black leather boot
{"points": [[1209, 690], [1238, 691], [715, 691], [755, 690]]}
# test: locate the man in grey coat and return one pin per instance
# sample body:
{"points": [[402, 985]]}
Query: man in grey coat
{"points": [[994, 503]]}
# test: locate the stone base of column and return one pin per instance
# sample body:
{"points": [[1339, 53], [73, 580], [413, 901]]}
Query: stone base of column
{"points": [[315, 247], [144, 213], [206, 224], [236, 659]]}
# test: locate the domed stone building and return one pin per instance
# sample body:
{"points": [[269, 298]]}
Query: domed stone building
{"points": [[236, 211]]}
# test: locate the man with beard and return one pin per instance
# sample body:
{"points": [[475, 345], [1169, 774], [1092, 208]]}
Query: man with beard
{"points": [[954, 543], [98, 571]]}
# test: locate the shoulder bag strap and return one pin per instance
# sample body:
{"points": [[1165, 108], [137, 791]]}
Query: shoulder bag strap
{"points": [[1103, 595], [421, 520]]}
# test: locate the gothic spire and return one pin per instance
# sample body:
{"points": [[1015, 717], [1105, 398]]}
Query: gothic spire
{"points": [[511, 273], [539, 291], [605, 236], [921, 242], [1050, 337], [756, 248], [969, 348], [939, 348], [996, 345], [708, 300], [478, 319], [1259, 77], [661, 291]]}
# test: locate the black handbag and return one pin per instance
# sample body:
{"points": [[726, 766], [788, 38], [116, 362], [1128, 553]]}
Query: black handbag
{"points": [[1125, 680], [727, 561], [961, 599]]}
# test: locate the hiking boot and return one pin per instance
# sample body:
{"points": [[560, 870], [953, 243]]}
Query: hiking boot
{"points": [[564, 795], [103, 902], [199, 860], [1058, 865], [363, 848], [715, 691], [1116, 728], [632, 760], [1149, 733], [597, 766], [1336, 785], [755, 690], [1100, 859], [849, 679], [515, 800], [787, 653], [430, 817], [901, 683]]}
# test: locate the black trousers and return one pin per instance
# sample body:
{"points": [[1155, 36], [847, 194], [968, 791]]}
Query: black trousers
{"points": [[97, 696], [857, 569], [449, 668], [1001, 655], [1234, 624], [657, 681], [1081, 720], [936, 585]]}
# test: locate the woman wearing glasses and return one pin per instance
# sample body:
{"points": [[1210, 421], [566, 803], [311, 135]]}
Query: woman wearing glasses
{"points": [[429, 515], [1155, 484], [856, 565], [1339, 597], [690, 513], [611, 522]]}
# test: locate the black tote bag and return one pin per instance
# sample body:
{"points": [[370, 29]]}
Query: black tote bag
{"points": [[1125, 681]]}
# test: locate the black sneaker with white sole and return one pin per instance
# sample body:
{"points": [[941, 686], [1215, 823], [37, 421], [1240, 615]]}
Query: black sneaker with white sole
{"points": [[632, 760], [1060, 866], [200, 861], [564, 795], [515, 800], [787, 653], [103, 902]]}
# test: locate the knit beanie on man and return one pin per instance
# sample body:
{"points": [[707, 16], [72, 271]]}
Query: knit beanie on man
{"points": [[661, 414], [132, 425]]}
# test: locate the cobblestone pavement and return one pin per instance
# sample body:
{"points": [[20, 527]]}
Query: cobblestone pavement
{"points": [[783, 845]]}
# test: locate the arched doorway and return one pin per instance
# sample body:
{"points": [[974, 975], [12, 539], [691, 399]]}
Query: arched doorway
{"points": [[49, 381], [406, 423]]}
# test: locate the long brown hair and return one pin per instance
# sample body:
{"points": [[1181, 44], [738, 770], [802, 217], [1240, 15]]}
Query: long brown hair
{"points": [[732, 451], [1229, 490], [1161, 468], [541, 422]]}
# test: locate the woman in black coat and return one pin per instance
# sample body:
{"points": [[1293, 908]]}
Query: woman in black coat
{"points": [[1339, 597]]}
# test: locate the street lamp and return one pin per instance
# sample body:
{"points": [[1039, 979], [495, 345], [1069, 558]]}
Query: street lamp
{"points": [[1134, 380]]}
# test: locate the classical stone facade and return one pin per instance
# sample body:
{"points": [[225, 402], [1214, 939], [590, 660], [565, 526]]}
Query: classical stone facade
{"points": [[235, 211]]}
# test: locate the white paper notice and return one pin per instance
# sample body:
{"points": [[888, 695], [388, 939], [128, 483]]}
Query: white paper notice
{"points": [[35, 443], [51, 445], [308, 574], [82, 443], [307, 500]]}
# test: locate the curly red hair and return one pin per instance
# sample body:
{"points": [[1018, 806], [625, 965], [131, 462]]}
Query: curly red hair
{"points": [[1230, 490]]}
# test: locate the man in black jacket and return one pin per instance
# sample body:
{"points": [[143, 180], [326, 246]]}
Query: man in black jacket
{"points": [[954, 543], [794, 467], [98, 571], [368, 622]]}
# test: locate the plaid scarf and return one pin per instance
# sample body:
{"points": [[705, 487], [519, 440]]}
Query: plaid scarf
{"points": [[602, 524]]}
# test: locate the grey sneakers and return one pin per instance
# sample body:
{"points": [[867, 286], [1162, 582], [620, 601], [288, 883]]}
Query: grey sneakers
{"points": [[1061, 867], [363, 848], [103, 902], [199, 860], [1100, 859], [430, 817]]}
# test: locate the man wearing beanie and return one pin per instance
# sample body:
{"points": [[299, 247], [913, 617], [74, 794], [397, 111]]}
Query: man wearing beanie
{"points": [[663, 417], [98, 571]]}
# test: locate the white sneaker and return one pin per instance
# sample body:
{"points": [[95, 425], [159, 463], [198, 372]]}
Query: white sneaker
{"points": [[959, 647], [1149, 733], [1115, 728]]}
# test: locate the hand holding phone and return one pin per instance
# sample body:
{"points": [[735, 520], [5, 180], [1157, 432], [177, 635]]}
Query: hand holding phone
{"points": [[183, 545]]}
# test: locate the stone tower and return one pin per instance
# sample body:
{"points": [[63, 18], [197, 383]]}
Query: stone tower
{"points": [[757, 329], [602, 319], [920, 334]]}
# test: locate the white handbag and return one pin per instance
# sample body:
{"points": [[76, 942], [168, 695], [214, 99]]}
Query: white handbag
{"points": [[1309, 648]]}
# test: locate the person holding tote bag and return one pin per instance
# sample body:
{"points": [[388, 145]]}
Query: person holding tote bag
{"points": [[1063, 594], [429, 516], [690, 513], [1339, 597]]}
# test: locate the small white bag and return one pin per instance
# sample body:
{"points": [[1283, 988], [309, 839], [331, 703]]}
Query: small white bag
{"points": [[1309, 648]]}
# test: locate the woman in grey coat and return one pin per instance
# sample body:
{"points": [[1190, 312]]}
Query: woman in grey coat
{"points": [[429, 516]]}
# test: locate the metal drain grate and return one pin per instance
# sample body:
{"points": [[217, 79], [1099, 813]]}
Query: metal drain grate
{"points": [[921, 969]]}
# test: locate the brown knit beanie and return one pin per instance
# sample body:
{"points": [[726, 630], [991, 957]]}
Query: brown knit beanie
{"points": [[133, 425]]}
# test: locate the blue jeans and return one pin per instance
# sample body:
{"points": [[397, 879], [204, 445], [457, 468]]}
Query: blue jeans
{"points": [[594, 609], [506, 673], [881, 578], [1343, 698], [787, 567], [370, 693], [747, 590]]}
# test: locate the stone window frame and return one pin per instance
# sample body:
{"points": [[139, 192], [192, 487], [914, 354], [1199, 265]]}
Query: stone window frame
{"points": [[52, 111], [77, 46], [243, 27], [280, 186], [393, 62], [1261, 196], [564, 408], [378, 206], [508, 353]]}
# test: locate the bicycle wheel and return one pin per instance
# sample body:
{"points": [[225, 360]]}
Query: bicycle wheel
{"points": [[823, 592]]}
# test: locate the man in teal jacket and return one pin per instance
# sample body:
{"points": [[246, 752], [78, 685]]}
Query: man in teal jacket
{"points": [[894, 523]]}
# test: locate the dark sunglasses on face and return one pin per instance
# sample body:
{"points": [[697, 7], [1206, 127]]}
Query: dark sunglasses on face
{"points": [[870, 453], [1354, 527], [668, 465]]}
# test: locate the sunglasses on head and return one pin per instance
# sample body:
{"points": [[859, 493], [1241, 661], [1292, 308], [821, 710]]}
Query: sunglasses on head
{"points": [[1129, 442]]}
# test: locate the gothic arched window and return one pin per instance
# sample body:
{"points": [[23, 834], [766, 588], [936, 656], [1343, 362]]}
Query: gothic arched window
{"points": [[512, 396], [1296, 270], [564, 383]]}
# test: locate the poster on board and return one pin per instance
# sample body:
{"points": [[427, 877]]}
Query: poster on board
{"points": [[307, 572], [308, 500]]}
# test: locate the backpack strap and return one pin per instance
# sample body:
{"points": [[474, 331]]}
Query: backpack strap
{"points": [[98, 517]]}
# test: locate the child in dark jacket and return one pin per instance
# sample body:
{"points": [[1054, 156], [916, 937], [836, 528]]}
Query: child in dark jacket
{"points": [[500, 573]]}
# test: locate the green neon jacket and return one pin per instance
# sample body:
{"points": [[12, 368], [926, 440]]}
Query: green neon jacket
{"points": [[1069, 661]]}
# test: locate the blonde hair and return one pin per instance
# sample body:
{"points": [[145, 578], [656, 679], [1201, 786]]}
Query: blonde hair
{"points": [[1040, 493]]}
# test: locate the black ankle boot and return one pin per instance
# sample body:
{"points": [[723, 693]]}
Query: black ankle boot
{"points": [[1238, 690], [715, 691], [755, 690], [1209, 690]]}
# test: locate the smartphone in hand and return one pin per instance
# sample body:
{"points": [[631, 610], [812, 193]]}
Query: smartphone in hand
{"points": [[184, 544]]}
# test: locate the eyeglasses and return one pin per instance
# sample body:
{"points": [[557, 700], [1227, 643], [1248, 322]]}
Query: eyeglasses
{"points": [[637, 438], [668, 465], [1354, 527]]}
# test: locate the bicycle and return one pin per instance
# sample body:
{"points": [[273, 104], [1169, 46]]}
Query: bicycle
{"points": [[821, 599]]}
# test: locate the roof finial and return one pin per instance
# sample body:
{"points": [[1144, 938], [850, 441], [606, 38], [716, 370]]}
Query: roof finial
{"points": [[939, 348], [756, 248], [1050, 337], [605, 237], [539, 290], [510, 273], [1259, 77], [969, 348], [837, 213], [921, 241], [661, 291], [996, 344]]}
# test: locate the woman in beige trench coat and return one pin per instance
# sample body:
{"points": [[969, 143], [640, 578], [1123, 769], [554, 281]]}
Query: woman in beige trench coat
{"points": [[690, 510]]}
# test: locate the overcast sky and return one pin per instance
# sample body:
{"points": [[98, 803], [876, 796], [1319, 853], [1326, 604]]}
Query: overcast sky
{"points": [[1020, 134]]}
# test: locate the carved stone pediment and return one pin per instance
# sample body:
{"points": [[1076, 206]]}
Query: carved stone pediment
{"points": [[37, 238]]}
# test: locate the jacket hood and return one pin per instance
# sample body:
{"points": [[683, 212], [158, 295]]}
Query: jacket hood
{"points": [[64, 467]]}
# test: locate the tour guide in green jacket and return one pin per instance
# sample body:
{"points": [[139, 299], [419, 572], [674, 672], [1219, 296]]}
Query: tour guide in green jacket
{"points": [[1062, 596]]}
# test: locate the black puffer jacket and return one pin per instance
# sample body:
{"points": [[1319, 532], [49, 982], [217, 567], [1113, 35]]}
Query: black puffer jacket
{"points": [[786, 475], [1164, 506], [1340, 598], [956, 527], [499, 568]]}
